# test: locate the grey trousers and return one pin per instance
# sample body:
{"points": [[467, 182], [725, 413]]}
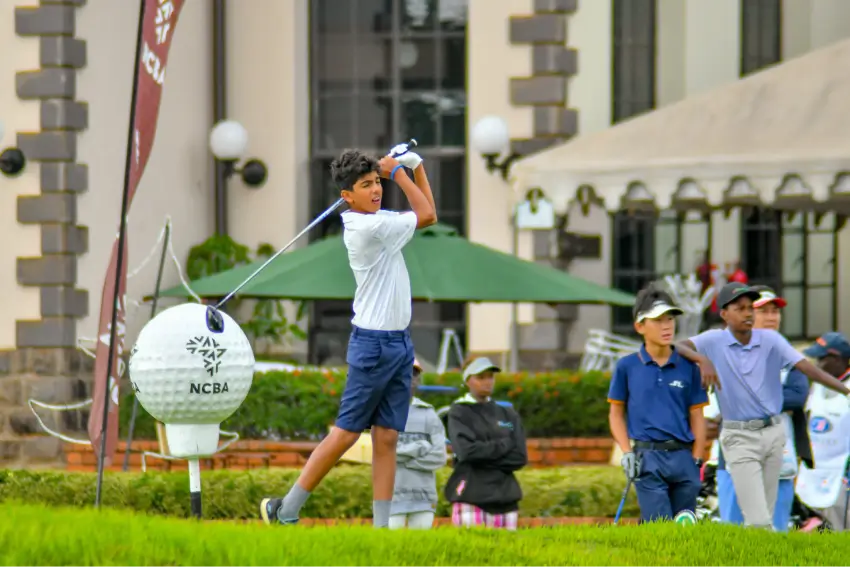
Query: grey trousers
{"points": [[839, 515], [754, 459]]}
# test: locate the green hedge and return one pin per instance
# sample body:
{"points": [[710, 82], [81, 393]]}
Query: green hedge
{"points": [[301, 405], [37, 535], [345, 493]]}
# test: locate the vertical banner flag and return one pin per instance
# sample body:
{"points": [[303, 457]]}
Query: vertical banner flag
{"points": [[160, 20]]}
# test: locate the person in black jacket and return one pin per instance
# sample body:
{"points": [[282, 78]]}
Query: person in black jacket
{"points": [[488, 443]]}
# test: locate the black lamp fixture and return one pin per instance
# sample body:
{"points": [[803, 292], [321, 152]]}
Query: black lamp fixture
{"points": [[490, 138], [228, 142], [12, 160]]}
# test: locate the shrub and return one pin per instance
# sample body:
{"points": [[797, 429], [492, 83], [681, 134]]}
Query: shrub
{"points": [[36, 535], [345, 493], [301, 405]]}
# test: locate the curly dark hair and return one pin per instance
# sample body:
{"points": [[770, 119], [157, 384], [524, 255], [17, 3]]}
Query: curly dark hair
{"points": [[350, 166], [650, 294]]}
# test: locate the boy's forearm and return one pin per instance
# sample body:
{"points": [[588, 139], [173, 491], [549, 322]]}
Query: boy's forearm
{"points": [[619, 430], [698, 429], [821, 377], [688, 351], [421, 180], [422, 207]]}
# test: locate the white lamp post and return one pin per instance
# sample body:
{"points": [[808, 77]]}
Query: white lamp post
{"points": [[228, 143]]}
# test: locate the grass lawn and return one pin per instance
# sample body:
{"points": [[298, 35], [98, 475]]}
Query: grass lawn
{"points": [[37, 535]]}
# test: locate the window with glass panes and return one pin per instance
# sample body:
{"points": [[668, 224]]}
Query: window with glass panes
{"points": [[385, 71], [633, 58], [761, 34], [795, 253], [648, 246]]}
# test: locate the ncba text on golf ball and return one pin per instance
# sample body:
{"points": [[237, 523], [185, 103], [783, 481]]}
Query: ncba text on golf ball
{"points": [[207, 388]]}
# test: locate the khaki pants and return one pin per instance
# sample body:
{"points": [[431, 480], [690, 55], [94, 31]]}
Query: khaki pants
{"points": [[754, 459], [839, 514]]}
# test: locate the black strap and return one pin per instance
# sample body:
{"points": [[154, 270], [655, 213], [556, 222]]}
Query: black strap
{"points": [[662, 445]]}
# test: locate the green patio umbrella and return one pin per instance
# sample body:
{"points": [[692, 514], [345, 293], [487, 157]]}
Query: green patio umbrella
{"points": [[443, 266]]}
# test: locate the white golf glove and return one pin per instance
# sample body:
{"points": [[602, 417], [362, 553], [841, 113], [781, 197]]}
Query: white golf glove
{"points": [[399, 150], [410, 160]]}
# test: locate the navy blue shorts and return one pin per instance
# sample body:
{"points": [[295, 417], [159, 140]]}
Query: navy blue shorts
{"points": [[377, 390], [668, 483]]}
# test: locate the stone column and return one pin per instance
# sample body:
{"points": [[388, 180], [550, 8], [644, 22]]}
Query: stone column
{"points": [[43, 362]]}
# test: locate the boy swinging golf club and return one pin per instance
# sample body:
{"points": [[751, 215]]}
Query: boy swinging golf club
{"points": [[380, 353], [656, 399]]}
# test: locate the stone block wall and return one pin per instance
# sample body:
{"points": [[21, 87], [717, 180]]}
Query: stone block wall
{"points": [[51, 376], [46, 364], [543, 344], [552, 64]]}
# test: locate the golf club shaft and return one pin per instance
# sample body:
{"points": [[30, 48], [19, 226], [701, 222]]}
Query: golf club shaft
{"points": [[318, 219], [623, 501], [412, 143]]}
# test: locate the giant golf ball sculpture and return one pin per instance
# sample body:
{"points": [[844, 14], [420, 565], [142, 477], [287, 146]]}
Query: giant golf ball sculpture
{"points": [[191, 368]]}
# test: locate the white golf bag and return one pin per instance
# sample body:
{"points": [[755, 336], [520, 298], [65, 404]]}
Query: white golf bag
{"points": [[829, 428]]}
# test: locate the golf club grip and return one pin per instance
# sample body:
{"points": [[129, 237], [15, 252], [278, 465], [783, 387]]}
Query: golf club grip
{"points": [[411, 143]]}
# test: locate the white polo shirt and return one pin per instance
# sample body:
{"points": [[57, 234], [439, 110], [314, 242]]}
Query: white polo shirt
{"points": [[382, 299]]}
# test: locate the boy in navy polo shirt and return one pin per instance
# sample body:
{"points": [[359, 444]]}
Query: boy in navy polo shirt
{"points": [[656, 399]]}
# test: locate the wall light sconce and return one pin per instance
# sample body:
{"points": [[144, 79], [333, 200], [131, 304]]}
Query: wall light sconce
{"points": [[228, 142], [490, 138], [12, 160]]}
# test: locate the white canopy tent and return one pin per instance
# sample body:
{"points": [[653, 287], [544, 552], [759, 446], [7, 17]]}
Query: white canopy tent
{"points": [[780, 137]]}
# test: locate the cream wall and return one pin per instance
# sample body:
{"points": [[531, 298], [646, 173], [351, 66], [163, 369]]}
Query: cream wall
{"points": [[810, 24], [489, 199], [589, 92], [712, 44], [178, 178], [18, 54], [269, 93]]}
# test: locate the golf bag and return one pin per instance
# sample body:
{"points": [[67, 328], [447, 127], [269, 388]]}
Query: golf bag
{"points": [[708, 508]]}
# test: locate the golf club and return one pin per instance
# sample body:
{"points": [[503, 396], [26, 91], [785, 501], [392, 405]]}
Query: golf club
{"points": [[622, 501], [214, 319]]}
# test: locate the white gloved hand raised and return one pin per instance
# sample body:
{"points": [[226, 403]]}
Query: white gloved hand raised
{"points": [[399, 150], [410, 160]]}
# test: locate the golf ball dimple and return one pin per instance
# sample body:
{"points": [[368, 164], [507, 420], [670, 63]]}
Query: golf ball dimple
{"points": [[182, 372]]}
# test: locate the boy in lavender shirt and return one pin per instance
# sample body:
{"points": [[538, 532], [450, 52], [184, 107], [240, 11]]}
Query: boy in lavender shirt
{"points": [[748, 363]]}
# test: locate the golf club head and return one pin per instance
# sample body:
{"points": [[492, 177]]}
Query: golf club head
{"points": [[215, 322]]}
